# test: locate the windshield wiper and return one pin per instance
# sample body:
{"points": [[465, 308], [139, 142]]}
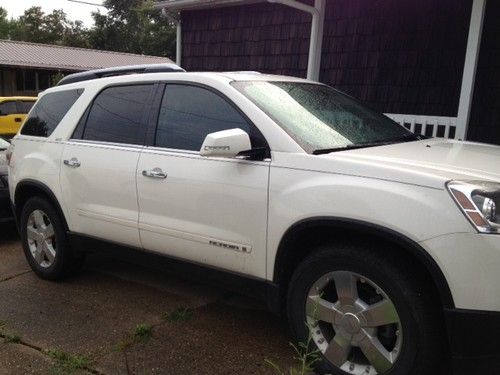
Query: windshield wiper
{"points": [[406, 138], [348, 147]]}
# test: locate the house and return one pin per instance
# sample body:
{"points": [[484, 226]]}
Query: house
{"points": [[432, 65], [28, 68]]}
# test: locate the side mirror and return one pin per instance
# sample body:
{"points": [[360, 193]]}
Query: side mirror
{"points": [[226, 143]]}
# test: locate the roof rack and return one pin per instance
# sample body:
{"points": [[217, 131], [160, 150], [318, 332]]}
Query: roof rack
{"points": [[118, 71]]}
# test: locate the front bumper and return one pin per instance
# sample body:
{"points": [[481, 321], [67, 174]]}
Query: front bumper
{"points": [[470, 263], [474, 341]]}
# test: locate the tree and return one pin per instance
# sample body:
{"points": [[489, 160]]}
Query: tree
{"points": [[5, 24], [133, 26], [53, 28]]}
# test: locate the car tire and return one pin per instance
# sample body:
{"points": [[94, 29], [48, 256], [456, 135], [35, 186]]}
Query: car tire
{"points": [[45, 243], [383, 316]]}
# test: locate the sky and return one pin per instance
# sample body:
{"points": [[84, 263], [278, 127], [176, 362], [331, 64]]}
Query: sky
{"points": [[75, 11]]}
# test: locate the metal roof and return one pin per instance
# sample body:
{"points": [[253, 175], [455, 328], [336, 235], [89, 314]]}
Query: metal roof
{"points": [[34, 55]]}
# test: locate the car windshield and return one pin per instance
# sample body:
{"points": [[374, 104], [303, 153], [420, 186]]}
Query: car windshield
{"points": [[321, 119]]}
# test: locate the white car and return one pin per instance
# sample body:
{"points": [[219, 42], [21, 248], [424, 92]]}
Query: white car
{"points": [[381, 247]]}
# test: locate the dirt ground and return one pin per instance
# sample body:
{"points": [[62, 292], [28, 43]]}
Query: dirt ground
{"points": [[119, 318]]}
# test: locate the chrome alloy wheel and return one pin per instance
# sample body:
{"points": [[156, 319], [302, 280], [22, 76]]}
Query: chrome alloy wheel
{"points": [[41, 238], [354, 323]]}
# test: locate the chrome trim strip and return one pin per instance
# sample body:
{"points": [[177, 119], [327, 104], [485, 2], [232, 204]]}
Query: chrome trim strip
{"points": [[196, 238], [196, 155], [107, 218], [109, 145]]}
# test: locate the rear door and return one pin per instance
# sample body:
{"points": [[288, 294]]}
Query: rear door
{"points": [[98, 175], [208, 210]]}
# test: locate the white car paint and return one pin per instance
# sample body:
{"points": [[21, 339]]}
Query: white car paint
{"points": [[251, 205]]}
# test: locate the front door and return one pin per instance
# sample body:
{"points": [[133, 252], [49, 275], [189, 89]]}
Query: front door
{"points": [[98, 175], [208, 210]]}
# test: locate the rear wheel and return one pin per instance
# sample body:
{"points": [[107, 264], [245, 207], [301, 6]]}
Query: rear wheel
{"points": [[364, 313], [44, 241]]}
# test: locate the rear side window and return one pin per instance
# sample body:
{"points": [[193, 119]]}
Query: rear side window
{"points": [[48, 112], [8, 108], [24, 106], [118, 115]]}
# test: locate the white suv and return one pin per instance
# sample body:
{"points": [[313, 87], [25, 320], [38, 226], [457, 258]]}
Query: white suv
{"points": [[382, 248]]}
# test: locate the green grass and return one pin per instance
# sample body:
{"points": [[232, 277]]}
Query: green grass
{"points": [[142, 332], [67, 364], [12, 339], [181, 314]]}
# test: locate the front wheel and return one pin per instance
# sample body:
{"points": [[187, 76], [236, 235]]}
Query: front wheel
{"points": [[365, 314]]}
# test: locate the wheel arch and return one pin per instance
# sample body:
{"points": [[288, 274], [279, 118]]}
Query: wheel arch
{"points": [[28, 188], [313, 230]]}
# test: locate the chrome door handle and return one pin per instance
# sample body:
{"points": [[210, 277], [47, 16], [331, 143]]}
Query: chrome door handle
{"points": [[73, 162], [154, 173]]}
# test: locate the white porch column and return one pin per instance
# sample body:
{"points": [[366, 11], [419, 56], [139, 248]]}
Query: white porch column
{"points": [[317, 27], [470, 67]]}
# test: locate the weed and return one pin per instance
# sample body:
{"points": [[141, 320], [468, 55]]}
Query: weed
{"points": [[143, 332], [11, 339], [304, 355], [181, 314], [66, 363]]}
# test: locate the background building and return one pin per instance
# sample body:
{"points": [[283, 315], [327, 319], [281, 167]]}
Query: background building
{"points": [[28, 68], [414, 60]]}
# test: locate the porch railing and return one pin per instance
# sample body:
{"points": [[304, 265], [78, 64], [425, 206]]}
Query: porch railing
{"points": [[431, 126]]}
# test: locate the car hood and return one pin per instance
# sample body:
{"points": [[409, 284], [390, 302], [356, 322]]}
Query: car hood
{"points": [[444, 159], [428, 162]]}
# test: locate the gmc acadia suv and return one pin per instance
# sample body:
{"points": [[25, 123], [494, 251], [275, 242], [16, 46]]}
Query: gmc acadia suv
{"points": [[381, 247]]}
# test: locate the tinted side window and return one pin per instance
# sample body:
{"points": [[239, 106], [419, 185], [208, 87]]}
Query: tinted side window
{"points": [[189, 113], [48, 112], [117, 115], [8, 108], [24, 106]]}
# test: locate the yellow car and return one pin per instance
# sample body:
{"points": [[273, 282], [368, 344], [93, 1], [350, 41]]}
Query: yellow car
{"points": [[13, 111]]}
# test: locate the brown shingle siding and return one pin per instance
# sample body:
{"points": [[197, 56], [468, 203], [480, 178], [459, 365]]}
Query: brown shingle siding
{"points": [[400, 56], [485, 116]]}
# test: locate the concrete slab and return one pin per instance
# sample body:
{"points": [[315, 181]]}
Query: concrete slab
{"points": [[86, 315], [218, 339], [92, 313], [12, 261], [17, 359]]}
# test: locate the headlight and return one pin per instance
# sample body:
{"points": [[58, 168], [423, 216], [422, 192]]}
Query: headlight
{"points": [[479, 201]]}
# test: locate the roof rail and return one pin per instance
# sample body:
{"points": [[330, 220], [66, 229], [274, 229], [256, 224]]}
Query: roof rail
{"points": [[118, 71], [244, 72]]}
